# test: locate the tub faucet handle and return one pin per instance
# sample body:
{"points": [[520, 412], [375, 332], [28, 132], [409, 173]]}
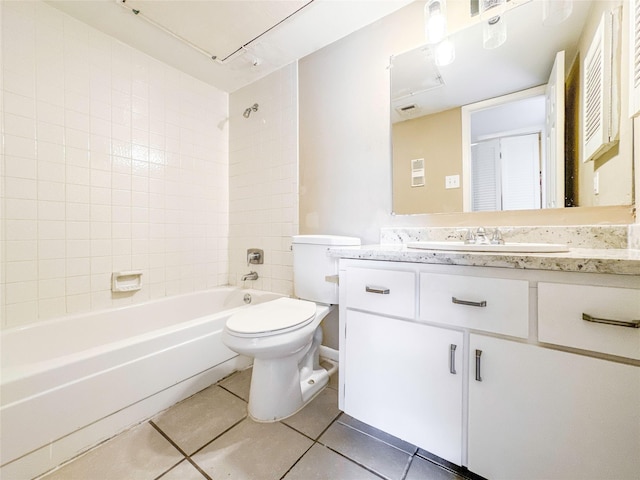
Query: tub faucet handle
{"points": [[255, 256]]}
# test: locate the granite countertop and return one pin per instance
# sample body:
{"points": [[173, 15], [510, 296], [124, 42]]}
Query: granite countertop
{"points": [[589, 260]]}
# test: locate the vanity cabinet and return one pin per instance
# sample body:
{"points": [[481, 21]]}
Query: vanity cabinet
{"points": [[390, 384], [498, 305], [537, 392], [392, 364], [541, 413]]}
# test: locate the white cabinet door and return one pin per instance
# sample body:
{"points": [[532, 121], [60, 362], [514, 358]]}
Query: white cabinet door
{"points": [[398, 378], [540, 413]]}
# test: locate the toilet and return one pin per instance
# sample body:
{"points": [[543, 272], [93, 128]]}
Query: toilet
{"points": [[284, 335]]}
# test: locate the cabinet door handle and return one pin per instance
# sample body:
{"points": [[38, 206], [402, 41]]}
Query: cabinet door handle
{"points": [[452, 359], [607, 321], [483, 303], [378, 290], [478, 355]]}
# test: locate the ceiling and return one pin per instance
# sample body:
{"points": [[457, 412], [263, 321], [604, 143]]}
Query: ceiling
{"points": [[523, 61], [248, 38]]}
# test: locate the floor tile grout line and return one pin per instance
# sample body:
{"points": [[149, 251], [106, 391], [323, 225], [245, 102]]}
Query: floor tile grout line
{"points": [[168, 439], [232, 393], [197, 467], [177, 447], [337, 417], [368, 469], [304, 434], [380, 440], [166, 472], [218, 436], [296, 462]]}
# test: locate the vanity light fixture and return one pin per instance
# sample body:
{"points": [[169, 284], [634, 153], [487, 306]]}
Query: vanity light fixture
{"points": [[435, 18], [554, 12], [494, 30], [435, 21]]}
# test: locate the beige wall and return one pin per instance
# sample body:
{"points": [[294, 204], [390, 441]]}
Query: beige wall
{"points": [[345, 171], [613, 167], [436, 138]]}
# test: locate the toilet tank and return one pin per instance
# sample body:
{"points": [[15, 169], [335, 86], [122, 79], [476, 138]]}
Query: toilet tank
{"points": [[311, 264]]}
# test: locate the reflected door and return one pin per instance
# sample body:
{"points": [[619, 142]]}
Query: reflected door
{"points": [[506, 173]]}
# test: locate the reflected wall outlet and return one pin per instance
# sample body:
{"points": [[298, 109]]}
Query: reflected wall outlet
{"points": [[596, 183], [452, 181]]}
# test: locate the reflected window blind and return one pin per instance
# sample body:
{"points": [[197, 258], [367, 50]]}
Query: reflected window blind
{"points": [[485, 157]]}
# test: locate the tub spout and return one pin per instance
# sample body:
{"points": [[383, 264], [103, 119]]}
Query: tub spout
{"points": [[250, 276]]}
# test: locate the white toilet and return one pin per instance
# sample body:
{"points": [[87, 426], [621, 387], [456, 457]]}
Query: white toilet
{"points": [[283, 335]]}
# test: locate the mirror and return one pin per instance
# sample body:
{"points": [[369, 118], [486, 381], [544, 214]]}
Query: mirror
{"points": [[440, 117]]}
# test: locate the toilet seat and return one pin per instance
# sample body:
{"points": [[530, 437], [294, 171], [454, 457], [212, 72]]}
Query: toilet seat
{"points": [[271, 318]]}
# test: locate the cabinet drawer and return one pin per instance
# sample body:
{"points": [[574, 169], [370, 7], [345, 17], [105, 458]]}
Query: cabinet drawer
{"points": [[481, 303], [560, 317], [382, 291]]}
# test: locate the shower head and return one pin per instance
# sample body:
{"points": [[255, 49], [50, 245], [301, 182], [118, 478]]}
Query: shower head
{"points": [[252, 108]]}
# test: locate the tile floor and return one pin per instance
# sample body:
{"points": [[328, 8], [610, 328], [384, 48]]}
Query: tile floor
{"points": [[209, 436]]}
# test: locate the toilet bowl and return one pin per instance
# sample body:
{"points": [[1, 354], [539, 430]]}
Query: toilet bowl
{"points": [[284, 336]]}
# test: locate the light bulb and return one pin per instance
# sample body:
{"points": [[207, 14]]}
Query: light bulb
{"points": [[554, 12], [444, 53], [494, 32], [435, 21]]}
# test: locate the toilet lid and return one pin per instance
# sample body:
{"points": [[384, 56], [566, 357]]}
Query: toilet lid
{"points": [[280, 314]]}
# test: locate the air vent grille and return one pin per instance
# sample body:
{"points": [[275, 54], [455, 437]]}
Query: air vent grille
{"points": [[417, 172]]}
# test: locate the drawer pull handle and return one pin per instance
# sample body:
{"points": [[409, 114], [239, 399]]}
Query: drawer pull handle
{"points": [[483, 303], [619, 323], [378, 290], [452, 359], [478, 355]]}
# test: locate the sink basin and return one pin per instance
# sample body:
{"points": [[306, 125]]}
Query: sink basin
{"points": [[506, 247]]}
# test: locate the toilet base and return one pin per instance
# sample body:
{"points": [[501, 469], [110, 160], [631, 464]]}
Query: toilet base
{"points": [[278, 391]]}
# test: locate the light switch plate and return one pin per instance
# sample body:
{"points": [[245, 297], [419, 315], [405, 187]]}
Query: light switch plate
{"points": [[452, 181]]}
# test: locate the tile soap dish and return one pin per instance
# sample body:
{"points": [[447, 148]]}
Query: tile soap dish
{"points": [[129, 281]]}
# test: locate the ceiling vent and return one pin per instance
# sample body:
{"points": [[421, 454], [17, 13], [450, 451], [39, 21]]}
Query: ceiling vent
{"points": [[408, 110]]}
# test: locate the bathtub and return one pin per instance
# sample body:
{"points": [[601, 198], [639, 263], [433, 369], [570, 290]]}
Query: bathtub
{"points": [[70, 383]]}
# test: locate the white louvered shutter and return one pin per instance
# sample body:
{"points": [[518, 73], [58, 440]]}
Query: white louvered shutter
{"points": [[634, 55], [599, 115]]}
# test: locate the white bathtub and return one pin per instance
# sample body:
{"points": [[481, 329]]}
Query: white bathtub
{"points": [[69, 383]]}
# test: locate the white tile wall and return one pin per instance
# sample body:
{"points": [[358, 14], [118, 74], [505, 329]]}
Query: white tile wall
{"points": [[111, 161], [263, 157]]}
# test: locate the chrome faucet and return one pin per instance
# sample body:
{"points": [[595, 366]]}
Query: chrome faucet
{"points": [[481, 236], [496, 238], [469, 237], [249, 276]]}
